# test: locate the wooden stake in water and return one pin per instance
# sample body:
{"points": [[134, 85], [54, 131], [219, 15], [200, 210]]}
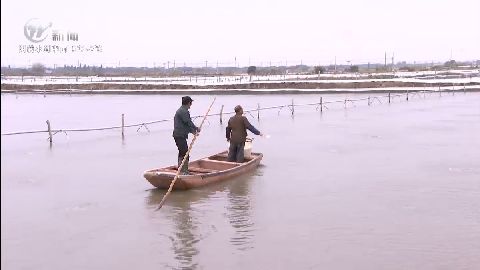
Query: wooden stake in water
{"points": [[293, 108], [221, 113], [123, 126], [184, 159], [49, 132], [258, 111]]}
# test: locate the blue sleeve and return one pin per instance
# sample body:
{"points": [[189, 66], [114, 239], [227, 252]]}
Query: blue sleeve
{"points": [[250, 127]]}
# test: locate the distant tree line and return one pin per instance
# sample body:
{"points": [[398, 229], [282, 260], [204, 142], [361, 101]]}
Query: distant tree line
{"points": [[39, 69]]}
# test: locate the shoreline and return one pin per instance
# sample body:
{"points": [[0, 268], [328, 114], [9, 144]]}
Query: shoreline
{"points": [[234, 89]]}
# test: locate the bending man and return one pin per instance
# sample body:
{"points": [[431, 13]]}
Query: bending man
{"points": [[237, 134]]}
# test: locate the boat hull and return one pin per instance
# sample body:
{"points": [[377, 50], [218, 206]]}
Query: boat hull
{"points": [[206, 171]]}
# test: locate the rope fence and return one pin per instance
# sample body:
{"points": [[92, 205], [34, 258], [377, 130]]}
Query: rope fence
{"points": [[321, 105]]}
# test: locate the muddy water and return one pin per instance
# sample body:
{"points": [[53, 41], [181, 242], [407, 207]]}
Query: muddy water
{"points": [[382, 187]]}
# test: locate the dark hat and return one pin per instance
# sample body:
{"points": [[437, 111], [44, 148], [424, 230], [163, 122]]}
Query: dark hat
{"points": [[238, 108], [186, 100]]}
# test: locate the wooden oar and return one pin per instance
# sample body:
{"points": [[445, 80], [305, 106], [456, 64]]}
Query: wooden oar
{"points": [[184, 159]]}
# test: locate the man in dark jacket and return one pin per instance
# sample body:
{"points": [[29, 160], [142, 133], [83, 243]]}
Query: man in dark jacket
{"points": [[237, 134], [182, 126]]}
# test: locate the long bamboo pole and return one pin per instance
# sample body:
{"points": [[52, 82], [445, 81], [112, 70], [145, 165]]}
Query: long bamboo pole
{"points": [[184, 159]]}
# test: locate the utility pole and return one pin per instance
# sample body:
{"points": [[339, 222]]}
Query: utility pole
{"points": [[451, 58], [385, 60], [393, 56], [335, 64]]}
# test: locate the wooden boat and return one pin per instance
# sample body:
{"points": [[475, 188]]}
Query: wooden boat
{"points": [[203, 171]]}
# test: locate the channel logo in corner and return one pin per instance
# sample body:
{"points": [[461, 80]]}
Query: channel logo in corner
{"points": [[55, 40], [37, 30]]}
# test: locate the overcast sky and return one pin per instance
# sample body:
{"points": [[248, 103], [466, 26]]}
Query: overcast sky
{"points": [[147, 33]]}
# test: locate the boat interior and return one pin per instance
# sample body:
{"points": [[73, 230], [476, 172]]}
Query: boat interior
{"points": [[209, 164]]}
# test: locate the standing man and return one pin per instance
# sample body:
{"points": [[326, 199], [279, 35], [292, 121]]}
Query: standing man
{"points": [[237, 134], [182, 126]]}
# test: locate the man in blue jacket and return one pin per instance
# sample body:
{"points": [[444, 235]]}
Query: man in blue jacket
{"points": [[237, 134], [182, 126]]}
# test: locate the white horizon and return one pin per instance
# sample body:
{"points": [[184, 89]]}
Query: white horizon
{"points": [[193, 33]]}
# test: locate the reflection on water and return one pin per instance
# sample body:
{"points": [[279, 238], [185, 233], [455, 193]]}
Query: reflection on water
{"points": [[239, 214], [181, 213], [184, 209], [185, 237]]}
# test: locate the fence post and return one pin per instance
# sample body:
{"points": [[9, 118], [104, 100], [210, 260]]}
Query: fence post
{"points": [[258, 111], [221, 113], [49, 132], [123, 125], [293, 108]]}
